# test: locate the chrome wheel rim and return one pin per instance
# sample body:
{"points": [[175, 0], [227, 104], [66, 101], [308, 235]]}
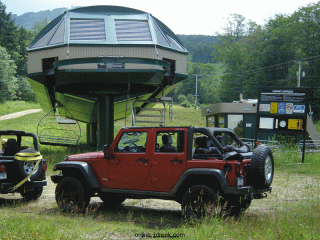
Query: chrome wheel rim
{"points": [[29, 166]]}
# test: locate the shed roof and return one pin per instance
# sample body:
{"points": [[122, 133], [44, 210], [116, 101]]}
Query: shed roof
{"points": [[106, 25]]}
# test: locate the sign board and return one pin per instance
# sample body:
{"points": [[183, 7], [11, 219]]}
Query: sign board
{"points": [[282, 111]]}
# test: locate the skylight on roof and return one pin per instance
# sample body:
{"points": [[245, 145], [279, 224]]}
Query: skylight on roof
{"points": [[87, 30], [132, 30]]}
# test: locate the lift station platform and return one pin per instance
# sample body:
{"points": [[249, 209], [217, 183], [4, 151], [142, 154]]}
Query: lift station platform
{"points": [[91, 61]]}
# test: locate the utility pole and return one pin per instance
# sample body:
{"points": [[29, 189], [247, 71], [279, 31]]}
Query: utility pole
{"points": [[299, 73], [196, 96]]}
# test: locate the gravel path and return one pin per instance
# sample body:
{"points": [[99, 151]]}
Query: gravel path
{"points": [[19, 114]]}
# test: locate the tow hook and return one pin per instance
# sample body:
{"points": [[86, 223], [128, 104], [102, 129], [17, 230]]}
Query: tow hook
{"points": [[260, 196]]}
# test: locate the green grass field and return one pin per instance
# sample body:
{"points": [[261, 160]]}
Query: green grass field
{"points": [[291, 211]]}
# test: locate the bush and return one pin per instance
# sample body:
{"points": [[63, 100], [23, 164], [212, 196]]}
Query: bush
{"points": [[24, 91]]}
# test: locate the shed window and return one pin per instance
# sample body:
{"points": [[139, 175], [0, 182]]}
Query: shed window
{"points": [[132, 30], [87, 30]]}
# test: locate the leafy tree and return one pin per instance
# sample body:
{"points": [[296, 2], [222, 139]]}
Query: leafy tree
{"points": [[8, 80], [201, 76], [38, 26], [24, 38], [24, 91]]}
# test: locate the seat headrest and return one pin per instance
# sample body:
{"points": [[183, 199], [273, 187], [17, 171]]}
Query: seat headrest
{"points": [[167, 139], [205, 142], [11, 142]]}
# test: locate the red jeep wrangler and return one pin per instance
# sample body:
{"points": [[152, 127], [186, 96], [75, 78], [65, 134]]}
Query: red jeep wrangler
{"points": [[165, 163]]}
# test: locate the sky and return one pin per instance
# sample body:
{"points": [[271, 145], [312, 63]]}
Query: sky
{"points": [[205, 17]]}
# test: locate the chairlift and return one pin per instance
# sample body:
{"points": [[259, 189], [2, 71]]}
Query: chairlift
{"points": [[56, 130]]}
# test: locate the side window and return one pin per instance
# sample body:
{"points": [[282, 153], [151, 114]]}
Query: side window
{"points": [[170, 142], [227, 140], [132, 142]]}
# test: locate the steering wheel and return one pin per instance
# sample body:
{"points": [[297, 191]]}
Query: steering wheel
{"points": [[133, 147]]}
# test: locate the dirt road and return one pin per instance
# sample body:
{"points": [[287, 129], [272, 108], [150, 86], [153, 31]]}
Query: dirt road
{"points": [[19, 114]]}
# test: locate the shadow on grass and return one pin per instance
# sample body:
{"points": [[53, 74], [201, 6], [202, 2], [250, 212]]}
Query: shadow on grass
{"points": [[146, 217]]}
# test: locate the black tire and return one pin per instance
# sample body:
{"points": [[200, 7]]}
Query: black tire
{"points": [[32, 195], [71, 195], [110, 200], [261, 168], [25, 167], [198, 202], [236, 206]]}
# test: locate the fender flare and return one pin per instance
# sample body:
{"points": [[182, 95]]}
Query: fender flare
{"points": [[217, 173], [85, 170]]}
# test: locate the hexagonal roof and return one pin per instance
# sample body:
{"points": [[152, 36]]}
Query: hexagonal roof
{"points": [[106, 25]]}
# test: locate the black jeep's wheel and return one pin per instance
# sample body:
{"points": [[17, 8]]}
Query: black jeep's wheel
{"points": [[262, 167], [110, 200], [236, 206], [32, 195], [71, 195], [199, 201], [26, 167]]}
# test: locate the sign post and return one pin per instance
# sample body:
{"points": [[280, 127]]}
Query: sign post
{"points": [[283, 111]]}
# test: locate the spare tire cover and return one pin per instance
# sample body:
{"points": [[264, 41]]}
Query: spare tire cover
{"points": [[262, 167], [26, 167]]}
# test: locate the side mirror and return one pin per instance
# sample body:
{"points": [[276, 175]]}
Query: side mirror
{"points": [[106, 151]]}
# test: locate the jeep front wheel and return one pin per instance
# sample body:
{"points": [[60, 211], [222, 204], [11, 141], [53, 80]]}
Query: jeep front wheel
{"points": [[262, 167], [71, 195], [199, 201]]}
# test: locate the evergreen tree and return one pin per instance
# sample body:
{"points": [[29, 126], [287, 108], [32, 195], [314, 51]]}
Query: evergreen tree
{"points": [[8, 31]]}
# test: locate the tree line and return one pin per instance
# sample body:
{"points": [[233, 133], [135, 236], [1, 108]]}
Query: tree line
{"points": [[248, 56], [14, 42]]}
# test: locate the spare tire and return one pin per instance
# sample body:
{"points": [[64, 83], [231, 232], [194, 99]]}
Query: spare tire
{"points": [[26, 167], [262, 167]]}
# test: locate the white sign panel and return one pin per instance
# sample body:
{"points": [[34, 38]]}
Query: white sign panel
{"points": [[264, 108], [266, 123]]}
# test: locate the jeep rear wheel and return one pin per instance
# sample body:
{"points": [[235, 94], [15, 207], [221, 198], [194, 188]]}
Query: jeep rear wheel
{"points": [[262, 167], [32, 195], [237, 205], [111, 200], [199, 201], [71, 195], [29, 167]]}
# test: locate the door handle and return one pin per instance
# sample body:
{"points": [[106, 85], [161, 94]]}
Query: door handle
{"points": [[142, 160], [176, 160]]}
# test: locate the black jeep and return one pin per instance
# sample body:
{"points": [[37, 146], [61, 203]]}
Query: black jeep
{"points": [[22, 168]]}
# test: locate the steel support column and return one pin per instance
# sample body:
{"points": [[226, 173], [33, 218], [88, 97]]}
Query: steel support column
{"points": [[105, 120]]}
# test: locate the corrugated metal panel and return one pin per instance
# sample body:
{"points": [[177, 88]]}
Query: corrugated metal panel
{"points": [[58, 36], [46, 38], [132, 30], [87, 30], [165, 39], [162, 40]]}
